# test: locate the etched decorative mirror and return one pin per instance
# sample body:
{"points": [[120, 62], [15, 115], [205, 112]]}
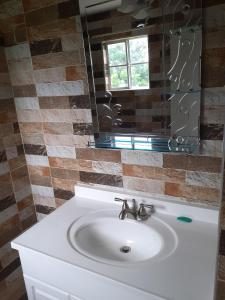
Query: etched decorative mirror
{"points": [[144, 67]]}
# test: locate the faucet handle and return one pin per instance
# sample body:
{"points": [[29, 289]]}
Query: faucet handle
{"points": [[142, 213], [142, 205], [125, 204]]}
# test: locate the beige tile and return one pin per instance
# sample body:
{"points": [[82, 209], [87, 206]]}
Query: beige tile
{"points": [[58, 128], [99, 155], [50, 75], [60, 59], [144, 185], [107, 167], [28, 115], [157, 173], [33, 138], [143, 158]]}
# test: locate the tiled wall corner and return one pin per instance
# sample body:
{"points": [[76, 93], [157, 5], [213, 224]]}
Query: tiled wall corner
{"points": [[17, 211]]}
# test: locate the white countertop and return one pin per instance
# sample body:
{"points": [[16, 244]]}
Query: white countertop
{"points": [[188, 274]]}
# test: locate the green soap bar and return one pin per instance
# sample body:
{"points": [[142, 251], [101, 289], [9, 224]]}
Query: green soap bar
{"points": [[184, 219]]}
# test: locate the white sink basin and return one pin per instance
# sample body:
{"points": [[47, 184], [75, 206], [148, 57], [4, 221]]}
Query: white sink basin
{"points": [[102, 236]]}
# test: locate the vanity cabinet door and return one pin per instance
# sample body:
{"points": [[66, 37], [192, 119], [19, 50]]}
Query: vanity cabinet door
{"points": [[38, 290]]}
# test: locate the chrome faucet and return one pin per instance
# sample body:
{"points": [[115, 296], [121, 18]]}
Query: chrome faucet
{"points": [[139, 214], [126, 210]]}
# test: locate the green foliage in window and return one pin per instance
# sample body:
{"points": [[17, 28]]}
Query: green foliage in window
{"points": [[117, 54], [138, 49], [119, 77], [140, 76]]}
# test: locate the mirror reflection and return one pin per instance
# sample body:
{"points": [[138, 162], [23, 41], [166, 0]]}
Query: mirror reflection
{"points": [[144, 70]]}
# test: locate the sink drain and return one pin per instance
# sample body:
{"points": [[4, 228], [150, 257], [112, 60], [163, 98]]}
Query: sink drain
{"points": [[125, 249]]}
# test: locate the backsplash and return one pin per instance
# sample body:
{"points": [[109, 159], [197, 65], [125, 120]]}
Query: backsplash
{"points": [[45, 57]]}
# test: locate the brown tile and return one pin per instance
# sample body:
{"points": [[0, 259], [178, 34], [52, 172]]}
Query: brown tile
{"points": [[222, 243], [25, 91], [7, 202], [85, 165], [2, 156], [35, 4], [16, 128], [53, 60], [63, 184], [211, 131], [15, 290], [17, 162], [8, 255], [31, 127], [65, 174], [42, 16], [177, 176], [52, 30], [20, 34], [57, 128], [20, 178], [80, 102], [9, 38], [98, 154], [63, 194], [104, 179], [213, 37], [193, 163], [222, 212], [68, 163], [54, 102], [7, 105], [40, 180], [19, 172], [27, 201], [7, 117], [208, 3], [9, 269], [39, 170], [221, 271], [64, 163], [199, 194], [9, 230], [82, 128], [68, 9], [5, 192], [35, 149], [44, 209], [45, 46], [75, 73], [213, 67], [220, 295], [26, 223], [59, 202]]}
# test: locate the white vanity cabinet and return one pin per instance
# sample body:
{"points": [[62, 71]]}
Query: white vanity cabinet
{"points": [[37, 290], [48, 278], [54, 270]]}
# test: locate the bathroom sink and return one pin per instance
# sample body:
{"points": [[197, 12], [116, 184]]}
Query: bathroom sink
{"points": [[102, 236]]}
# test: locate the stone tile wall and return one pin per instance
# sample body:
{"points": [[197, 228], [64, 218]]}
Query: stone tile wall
{"points": [[17, 211], [48, 75], [45, 57]]}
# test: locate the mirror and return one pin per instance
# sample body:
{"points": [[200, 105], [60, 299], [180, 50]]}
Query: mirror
{"points": [[144, 69]]}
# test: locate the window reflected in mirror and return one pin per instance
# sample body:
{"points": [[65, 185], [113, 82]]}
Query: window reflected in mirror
{"points": [[126, 63]]}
